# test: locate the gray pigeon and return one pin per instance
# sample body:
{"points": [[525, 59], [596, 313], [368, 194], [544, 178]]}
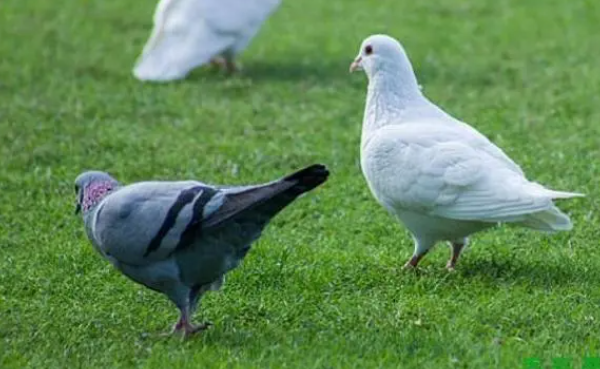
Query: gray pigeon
{"points": [[180, 238]]}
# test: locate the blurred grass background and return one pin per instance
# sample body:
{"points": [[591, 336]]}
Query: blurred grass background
{"points": [[324, 287]]}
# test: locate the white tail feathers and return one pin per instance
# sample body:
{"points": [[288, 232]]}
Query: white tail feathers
{"points": [[173, 53], [564, 195], [551, 220]]}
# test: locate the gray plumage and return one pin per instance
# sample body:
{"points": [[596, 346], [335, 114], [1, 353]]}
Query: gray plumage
{"points": [[181, 238]]}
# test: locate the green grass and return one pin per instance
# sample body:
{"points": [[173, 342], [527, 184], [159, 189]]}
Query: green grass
{"points": [[323, 288]]}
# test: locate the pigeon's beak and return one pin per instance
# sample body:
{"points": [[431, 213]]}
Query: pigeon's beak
{"points": [[356, 65], [77, 208]]}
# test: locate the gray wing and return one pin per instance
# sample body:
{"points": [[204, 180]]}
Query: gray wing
{"points": [[147, 221]]}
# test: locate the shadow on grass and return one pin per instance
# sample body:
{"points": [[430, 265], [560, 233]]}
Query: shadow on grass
{"points": [[272, 70], [292, 71], [531, 273]]}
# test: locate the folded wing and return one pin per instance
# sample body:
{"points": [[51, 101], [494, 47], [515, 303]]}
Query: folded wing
{"points": [[147, 221], [453, 175]]}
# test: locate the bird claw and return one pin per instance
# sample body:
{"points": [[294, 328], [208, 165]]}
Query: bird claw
{"points": [[409, 266], [218, 62], [229, 66], [413, 262], [187, 329], [190, 329]]}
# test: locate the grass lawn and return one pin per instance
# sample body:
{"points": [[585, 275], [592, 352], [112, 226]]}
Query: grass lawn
{"points": [[324, 287]]}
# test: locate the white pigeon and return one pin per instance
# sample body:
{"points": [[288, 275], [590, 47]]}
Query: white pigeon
{"points": [[180, 238], [440, 177], [191, 33]]}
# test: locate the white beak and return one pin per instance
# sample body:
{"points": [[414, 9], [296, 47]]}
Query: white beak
{"points": [[356, 64]]}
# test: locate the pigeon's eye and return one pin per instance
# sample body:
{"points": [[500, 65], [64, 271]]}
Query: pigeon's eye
{"points": [[368, 49]]}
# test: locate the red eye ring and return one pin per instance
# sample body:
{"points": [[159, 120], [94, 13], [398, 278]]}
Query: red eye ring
{"points": [[368, 50]]}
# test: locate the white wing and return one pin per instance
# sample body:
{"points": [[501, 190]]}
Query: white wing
{"points": [[447, 171], [189, 33], [237, 16], [181, 40]]}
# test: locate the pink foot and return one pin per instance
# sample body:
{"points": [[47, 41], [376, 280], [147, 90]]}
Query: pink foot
{"points": [[229, 66], [187, 328], [232, 67], [450, 267], [190, 329], [218, 62], [456, 250], [413, 262]]}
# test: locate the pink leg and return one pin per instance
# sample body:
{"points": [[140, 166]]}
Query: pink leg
{"points": [[456, 250], [184, 324], [226, 64], [191, 329], [218, 62], [231, 67], [422, 247], [414, 261]]}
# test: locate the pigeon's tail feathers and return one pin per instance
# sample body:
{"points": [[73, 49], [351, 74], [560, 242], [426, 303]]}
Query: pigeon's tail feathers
{"points": [[160, 16], [260, 203], [180, 41], [550, 220], [172, 54], [538, 191], [563, 194], [307, 179]]}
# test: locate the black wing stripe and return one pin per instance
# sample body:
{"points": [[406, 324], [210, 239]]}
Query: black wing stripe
{"points": [[194, 226], [185, 197]]}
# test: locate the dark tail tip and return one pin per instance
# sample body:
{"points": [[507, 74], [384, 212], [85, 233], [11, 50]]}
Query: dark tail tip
{"points": [[308, 178]]}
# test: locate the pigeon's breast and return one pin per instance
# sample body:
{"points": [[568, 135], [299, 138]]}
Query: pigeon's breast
{"points": [[391, 168]]}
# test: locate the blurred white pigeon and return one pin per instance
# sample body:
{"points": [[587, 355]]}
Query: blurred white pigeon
{"points": [[190, 33], [180, 238], [439, 176]]}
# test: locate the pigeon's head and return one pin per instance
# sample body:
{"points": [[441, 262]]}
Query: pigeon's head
{"points": [[91, 187], [381, 53]]}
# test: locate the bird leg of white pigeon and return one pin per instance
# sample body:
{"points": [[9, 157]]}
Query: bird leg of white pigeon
{"points": [[414, 261], [218, 62], [457, 247], [231, 66], [225, 63], [421, 249]]}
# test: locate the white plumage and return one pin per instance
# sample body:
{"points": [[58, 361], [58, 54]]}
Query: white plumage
{"points": [[191, 33], [441, 178]]}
